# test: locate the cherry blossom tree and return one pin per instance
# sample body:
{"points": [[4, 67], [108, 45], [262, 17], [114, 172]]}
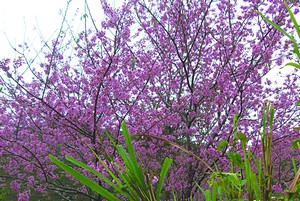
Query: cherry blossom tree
{"points": [[176, 69]]}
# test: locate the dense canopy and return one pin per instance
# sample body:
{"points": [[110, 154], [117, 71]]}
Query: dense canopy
{"points": [[177, 69]]}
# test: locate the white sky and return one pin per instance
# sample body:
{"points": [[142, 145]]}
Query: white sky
{"points": [[26, 20]]}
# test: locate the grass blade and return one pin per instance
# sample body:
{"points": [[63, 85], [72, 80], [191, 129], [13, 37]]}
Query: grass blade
{"points": [[84, 180], [134, 164], [174, 197], [293, 18], [127, 161], [292, 64], [163, 173], [296, 48], [278, 27], [114, 177], [129, 144], [88, 168], [206, 193], [272, 112]]}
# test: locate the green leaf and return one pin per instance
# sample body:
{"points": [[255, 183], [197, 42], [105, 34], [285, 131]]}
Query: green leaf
{"points": [[272, 112], [206, 193], [133, 164], [298, 103], [133, 62], [163, 173], [243, 182], [294, 166], [296, 25], [296, 144], [84, 180], [127, 161], [129, 144], [242, 137], [222, 144], [133, 174], [114, 177], [235, 158], [282, 31], [292, 64], [214, 192], [88, 168], [235, 120], [277, 27], [233, 179], [174, 196]]}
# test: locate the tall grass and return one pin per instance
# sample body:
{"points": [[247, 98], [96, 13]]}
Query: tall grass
{"points": [[130, 181], [258, 184]]}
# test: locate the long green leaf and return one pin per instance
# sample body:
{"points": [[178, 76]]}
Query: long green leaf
{"points": [[174, 197], [127, 161], [88, 168], [296, 48], [292, 64], [272, 112], [129, 144], [131, 194], [214, 192], [278, 27], [131, 174], [120, 188], [136, 169], [163, 173], [248, 171], [83, 179], [114, 177], [206, 193], [265, 116], [296, 25]]}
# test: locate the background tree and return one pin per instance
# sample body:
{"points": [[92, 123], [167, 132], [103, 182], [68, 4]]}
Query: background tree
{"points": [[175, 69]]}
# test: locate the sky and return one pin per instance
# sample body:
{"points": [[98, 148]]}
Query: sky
{"points": [[29, 20]]}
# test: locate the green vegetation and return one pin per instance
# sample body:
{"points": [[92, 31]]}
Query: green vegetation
{"points": [[131, 181]]}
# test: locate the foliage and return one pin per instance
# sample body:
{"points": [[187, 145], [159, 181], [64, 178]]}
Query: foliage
{"points": [[243, 180], [259, 185], [292, 38], [4, 191], [294, 191], [251, 178], [178, 70], [131, 182]]}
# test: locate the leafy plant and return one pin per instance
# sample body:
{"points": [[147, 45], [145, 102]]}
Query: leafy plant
{"points": [[294, 190], [292, 38], [130, 181], [230, 185]]}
